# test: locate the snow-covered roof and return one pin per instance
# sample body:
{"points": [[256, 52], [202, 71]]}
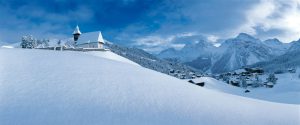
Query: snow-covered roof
{"points": [[240, 70], [77, 31], [90, 37], [100, 38]]}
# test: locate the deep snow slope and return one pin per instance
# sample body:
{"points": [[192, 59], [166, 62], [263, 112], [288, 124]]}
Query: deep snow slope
{"points": [[150, 61], [73, 88], [287, 89], [112, 56]]}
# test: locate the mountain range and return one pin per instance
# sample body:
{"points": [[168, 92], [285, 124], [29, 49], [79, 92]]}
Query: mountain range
{"points": [[202, 56], [234, 53], [290, 59]]}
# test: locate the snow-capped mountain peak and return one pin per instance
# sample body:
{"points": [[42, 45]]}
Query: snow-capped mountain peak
{"points": [[245, 37], [273, 41], [190, 51], [233, 53], [241, 51], [295, 46], [278, 47]]}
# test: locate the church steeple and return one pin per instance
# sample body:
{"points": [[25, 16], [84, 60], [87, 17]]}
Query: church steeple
{"points": [[76, 33]]}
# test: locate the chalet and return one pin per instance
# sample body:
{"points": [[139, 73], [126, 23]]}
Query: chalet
{"points": [[269, 85], [292, 70], [255, 70]]}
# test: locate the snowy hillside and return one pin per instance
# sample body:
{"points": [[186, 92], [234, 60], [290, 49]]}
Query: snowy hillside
{"points": [[152, 62], [53, 87], [112, 56], [134, 55], [2, 43], [8, 45], [287, 89]]}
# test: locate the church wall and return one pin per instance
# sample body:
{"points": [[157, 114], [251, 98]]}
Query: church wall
{"points": [[90, 45]]}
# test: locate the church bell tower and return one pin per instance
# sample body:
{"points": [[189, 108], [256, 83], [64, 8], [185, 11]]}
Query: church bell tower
{"points": [[76, 33]]}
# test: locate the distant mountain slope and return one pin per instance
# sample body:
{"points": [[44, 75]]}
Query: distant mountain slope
{"points": [[291, 59], [152, 62], [241, 51], [201, 63], [199, 55], [190, 52], [277, 46], [72, 88]]}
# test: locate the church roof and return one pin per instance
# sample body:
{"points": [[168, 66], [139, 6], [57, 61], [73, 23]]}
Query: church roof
{"points": [[77, 31], [90, 37]]}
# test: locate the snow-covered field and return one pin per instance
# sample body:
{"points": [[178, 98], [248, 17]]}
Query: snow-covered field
{"points": [[74, 88], [112, 56], [287, 89]]}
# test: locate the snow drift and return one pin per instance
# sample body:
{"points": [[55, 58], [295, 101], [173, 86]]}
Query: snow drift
{"points": [[52, 87], [287, 89]]}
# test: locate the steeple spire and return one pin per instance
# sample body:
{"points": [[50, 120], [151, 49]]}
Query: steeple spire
{"points": [[76, 31]]}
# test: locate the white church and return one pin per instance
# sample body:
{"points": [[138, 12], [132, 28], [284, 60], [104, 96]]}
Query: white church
{"points": [[93, 40]]}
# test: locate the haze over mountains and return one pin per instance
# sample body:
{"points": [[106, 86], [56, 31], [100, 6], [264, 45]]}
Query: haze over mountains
{"points": [[234, 53]]}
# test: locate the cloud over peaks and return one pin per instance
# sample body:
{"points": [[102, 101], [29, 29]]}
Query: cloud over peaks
{"points": [[273, 18]]}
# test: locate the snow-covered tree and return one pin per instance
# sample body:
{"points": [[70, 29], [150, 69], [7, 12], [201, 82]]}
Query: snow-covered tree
{"points": [[226, 78], [45, 42], [257, 81], [38, 42], [28, 42], [152, 62], [25, 42], [272, 78], [243, 82], [58, 42], [42, 43]]}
